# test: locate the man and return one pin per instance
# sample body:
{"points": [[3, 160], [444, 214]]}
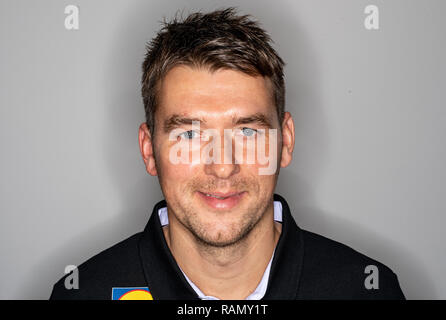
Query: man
{"points": [[213, 92]]}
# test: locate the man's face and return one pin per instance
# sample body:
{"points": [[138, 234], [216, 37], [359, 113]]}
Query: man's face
{"points": [[219, 203]]}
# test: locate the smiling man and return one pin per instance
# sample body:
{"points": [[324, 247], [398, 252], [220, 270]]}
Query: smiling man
{"points": [[216, 135]]}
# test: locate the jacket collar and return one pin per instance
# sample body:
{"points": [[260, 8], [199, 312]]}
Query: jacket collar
{"points": [[166, 281]]}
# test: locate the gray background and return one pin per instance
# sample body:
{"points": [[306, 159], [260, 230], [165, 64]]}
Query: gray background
{"points": [[369, 165]]}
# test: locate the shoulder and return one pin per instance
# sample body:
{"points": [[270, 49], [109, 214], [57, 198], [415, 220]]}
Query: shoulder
{"points": [[328, 252], [116, 266], [334, 270]]}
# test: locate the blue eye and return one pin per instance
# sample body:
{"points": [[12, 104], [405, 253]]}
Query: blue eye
{"points": [[188, 134], [249, 132]]}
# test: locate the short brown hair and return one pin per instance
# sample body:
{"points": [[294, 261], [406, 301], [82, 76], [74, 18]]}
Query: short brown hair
{"points": [[217, 40]]}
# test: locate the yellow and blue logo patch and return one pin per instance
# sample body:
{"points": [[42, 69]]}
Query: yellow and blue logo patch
{"points": [[131, 293]]}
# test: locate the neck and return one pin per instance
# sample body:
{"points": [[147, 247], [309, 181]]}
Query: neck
{"points": [[231, 272]]}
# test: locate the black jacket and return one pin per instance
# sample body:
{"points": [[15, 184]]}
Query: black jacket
{"points": [[305, 266]]}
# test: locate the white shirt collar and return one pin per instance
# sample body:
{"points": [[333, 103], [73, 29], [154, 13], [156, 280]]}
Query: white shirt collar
{"points": [[259, 292]]}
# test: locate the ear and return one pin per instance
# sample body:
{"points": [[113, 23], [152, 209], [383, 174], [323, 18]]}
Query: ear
{"points": [[146, 148], [287, 140]]}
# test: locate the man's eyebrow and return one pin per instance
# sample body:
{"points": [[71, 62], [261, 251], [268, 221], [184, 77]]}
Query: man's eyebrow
{"points": [[258, 118], [177, 120]]}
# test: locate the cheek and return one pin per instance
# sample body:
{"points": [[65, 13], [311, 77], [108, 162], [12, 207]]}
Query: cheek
{"points": [[267, 182], [175, 173]]}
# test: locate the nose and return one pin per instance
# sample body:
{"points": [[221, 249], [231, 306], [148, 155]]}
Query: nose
{"points": [[227, 165], [222, 171]]}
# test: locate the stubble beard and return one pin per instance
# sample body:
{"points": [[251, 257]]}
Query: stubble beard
{"points": [[234, 234]]}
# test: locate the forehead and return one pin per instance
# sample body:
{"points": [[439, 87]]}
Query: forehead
{"points": [[204, 93]]}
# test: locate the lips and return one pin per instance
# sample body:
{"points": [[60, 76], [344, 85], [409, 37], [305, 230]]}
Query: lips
{"points": [[220, 200], [220, 195]]}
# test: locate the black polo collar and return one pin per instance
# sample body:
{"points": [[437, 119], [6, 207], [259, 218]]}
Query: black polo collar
{"points": [[166, 281]]}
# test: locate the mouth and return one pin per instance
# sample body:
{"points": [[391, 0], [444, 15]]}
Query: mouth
{"points": [[220, 200]]}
